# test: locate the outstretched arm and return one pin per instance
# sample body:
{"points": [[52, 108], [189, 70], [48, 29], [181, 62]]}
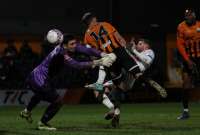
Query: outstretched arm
{"points": [[180, 44], [88, 51], [105, 61], [76, 64]]}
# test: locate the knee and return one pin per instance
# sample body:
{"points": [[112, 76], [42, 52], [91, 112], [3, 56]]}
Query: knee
{"points": [[59, 101]]}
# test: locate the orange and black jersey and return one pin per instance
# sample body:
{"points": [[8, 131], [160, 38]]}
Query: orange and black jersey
{"points": [[188, 40], [101, 36]]}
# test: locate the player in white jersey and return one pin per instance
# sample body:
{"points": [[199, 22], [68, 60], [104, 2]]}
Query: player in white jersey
{"points": [[143, 55]]}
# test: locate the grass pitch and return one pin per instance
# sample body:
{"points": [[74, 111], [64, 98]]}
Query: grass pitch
{"points": [[136, 119]]}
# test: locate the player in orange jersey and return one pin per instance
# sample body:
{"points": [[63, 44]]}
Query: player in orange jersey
{"points": [[188, 44], [103, 36]]}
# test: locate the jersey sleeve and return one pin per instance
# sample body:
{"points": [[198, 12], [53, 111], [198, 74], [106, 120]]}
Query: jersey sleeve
{"points": [[88, 51], [146, 57], [180, 42], [109, 27], [76, 64]]}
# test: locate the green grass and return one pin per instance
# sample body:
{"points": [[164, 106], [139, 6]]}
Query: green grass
{"points": [[136, 119]]}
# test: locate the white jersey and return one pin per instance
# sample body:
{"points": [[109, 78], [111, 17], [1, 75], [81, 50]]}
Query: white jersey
{"points": [[144, 58]]}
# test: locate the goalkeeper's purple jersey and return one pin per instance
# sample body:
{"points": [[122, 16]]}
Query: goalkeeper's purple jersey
{"points": [[41, 74]]}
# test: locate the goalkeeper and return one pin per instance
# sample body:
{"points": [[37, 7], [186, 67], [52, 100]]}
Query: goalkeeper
{"points": [[40, 79]]}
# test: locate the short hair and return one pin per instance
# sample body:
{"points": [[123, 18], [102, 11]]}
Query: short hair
{"points": [[145, 41], [87, 18], [67, 38]]}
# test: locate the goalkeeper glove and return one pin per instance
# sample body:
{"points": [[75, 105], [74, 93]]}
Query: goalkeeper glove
{"points": [[105, 61]]}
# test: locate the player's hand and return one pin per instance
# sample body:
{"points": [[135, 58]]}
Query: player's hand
{"points": [[112, 56], [103, 54], [105, 61]]}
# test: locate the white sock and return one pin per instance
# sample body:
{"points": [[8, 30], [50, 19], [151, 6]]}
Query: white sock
{"points": [[102, 75], [106, 101], [186, 110], [117, 111], [25, 110]]}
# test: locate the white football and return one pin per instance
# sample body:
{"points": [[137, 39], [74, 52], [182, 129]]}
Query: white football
{"points": [[55, 36]]}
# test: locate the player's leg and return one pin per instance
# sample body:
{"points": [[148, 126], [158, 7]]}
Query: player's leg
{"points": [[104, 99], [35, 99], [49, 113], [56, 103], [102, 74], [187, 85], [114, 113], [99, 84], [115, 97]]}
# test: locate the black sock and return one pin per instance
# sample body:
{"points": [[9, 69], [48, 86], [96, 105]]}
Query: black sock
{"points": [[51, 110], [185, 98], [116, 97], [33, 102]]}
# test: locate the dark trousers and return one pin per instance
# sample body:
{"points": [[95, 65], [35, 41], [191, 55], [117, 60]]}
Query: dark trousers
{"points": [[45, 93]]}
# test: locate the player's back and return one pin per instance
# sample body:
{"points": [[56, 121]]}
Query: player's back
{"points": [[101, 36], [47, 67]]}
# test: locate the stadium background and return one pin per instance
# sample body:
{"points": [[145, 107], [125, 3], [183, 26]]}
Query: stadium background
{"points": [[24, 24]]}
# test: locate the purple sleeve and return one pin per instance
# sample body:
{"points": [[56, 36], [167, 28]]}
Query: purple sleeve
{"points": [[76, 64], [88, 51]]}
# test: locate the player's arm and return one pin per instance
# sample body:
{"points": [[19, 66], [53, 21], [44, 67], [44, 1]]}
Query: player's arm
{"points": [[180, 44], [116, 34], [119, 38], [88, 64], [89, 51], [145, 58], [89, 41]]}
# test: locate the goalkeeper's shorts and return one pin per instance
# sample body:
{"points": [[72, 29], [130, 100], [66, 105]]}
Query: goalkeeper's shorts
{"points": [[46, 93]]}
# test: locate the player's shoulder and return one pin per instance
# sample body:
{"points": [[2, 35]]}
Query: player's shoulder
{"points": [[182, 24], [106, 23], [149, 51], [198, 22], [93, 28]]}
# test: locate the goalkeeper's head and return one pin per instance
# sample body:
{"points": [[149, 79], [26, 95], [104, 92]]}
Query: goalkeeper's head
{"points": [[89, 18], [190, 16], [69, 42]]}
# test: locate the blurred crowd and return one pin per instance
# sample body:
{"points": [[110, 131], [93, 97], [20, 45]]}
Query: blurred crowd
{"points": [[14, 65]]}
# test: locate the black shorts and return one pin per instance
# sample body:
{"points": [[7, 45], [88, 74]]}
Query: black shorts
{"points": [[195, 72], [46, 92], [125, 61]]}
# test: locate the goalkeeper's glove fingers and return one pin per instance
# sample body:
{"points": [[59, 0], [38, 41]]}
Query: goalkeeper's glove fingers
{"points": [[112, 56], [106, 61], [103, 54]]}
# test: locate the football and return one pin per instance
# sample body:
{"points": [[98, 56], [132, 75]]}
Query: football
{"points": [[54, 36]]}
